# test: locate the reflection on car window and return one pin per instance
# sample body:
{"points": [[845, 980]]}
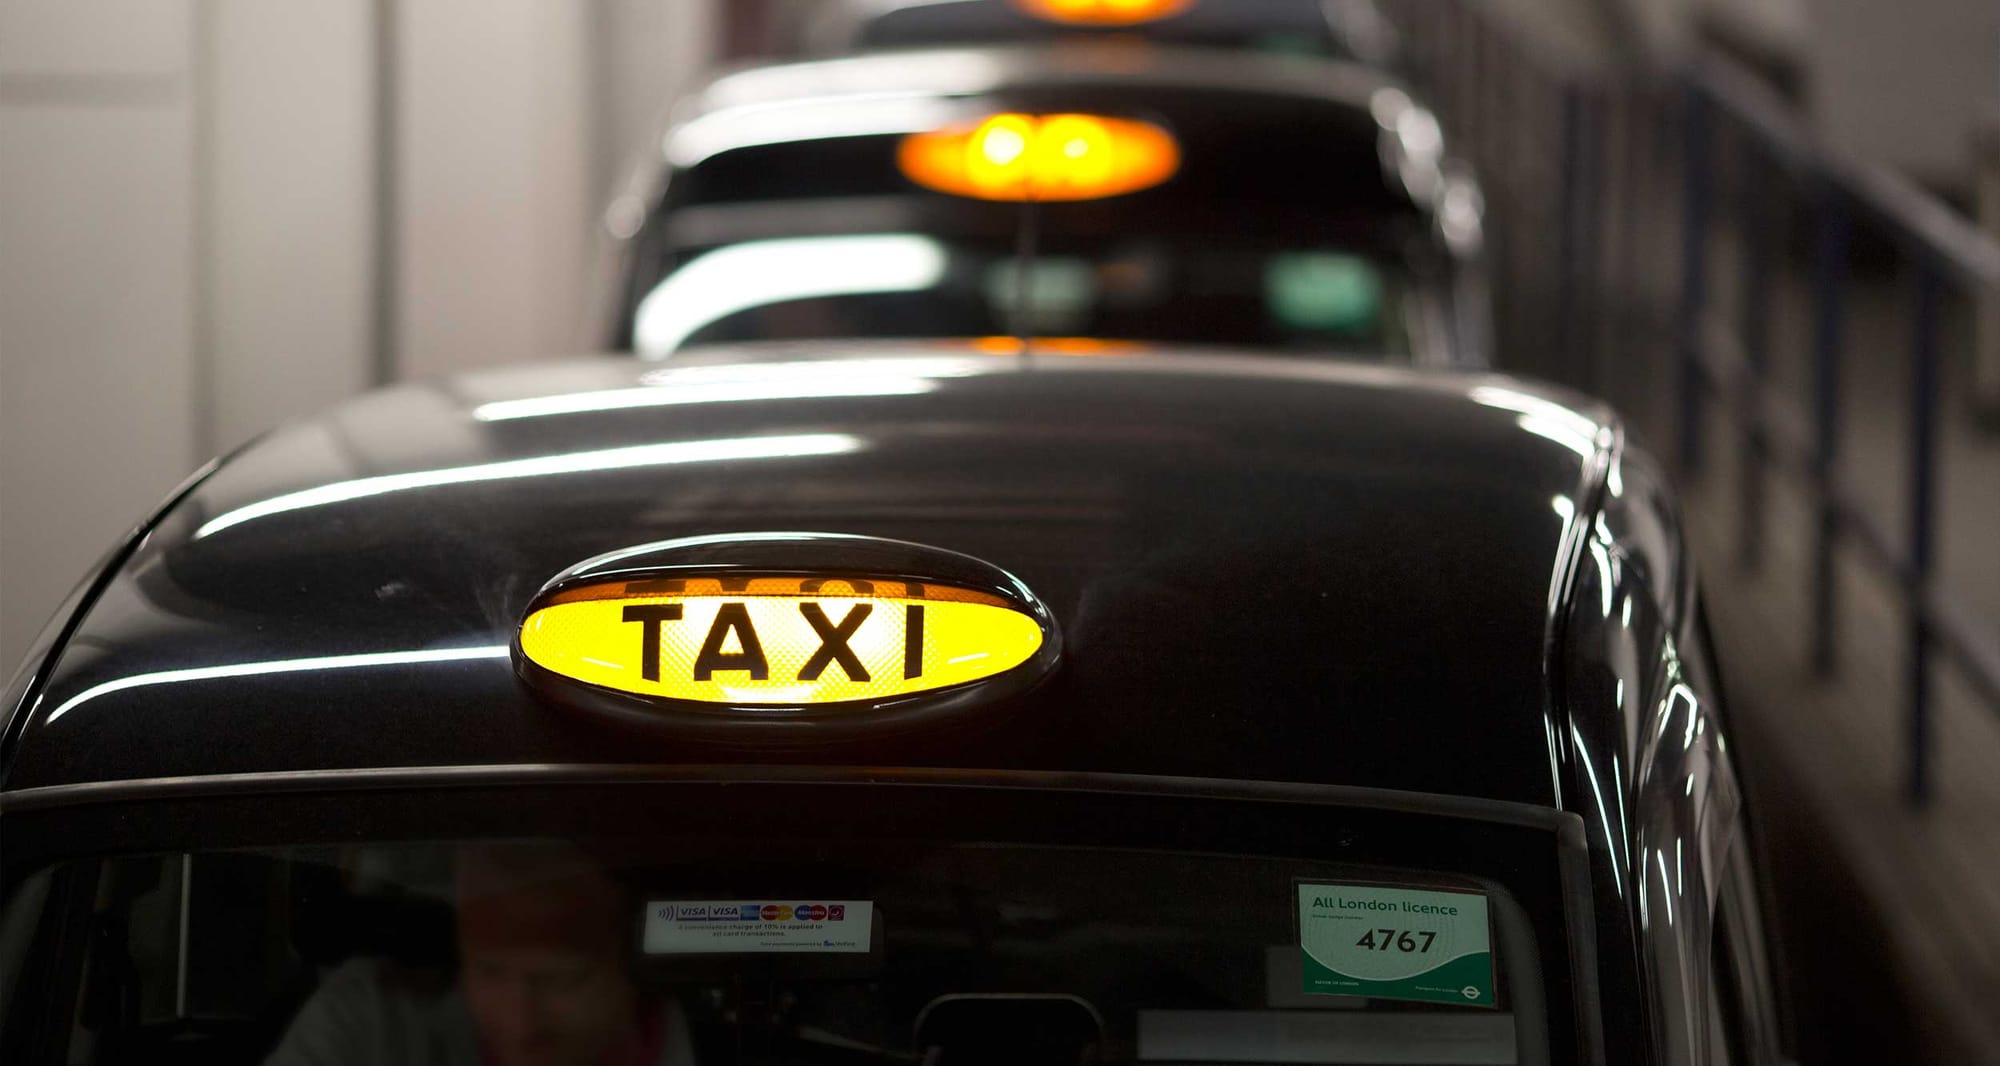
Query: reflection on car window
{"points": [[1324, 292], [761, 274], [906, 285], [544, 976], [637, 952]]}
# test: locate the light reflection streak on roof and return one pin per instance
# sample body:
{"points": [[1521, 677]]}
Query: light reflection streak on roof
{"points": [[281, 666], [642, 455], [1544, 418], [748, 382]]}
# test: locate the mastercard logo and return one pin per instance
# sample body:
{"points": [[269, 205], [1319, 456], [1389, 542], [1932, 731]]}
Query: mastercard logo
{"points": [[804, 912]]}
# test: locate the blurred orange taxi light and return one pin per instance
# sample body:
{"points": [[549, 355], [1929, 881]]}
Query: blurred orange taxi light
{"points": [[1103, 12], [1042, 157], [1085, 346]]}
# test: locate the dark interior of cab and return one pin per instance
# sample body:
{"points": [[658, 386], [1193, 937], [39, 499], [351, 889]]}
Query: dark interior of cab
{"points": [[952, 952]]}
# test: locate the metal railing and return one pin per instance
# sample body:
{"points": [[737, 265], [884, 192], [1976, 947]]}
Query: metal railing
{"points": [[1608, 191]]}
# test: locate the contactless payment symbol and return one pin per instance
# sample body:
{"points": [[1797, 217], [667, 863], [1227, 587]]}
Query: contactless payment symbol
{"points": [[1386, 942], [744, 927]]}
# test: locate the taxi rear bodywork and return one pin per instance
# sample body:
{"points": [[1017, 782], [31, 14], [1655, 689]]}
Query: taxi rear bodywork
{"points": [[1151, 501], [1301, 609], [1286, 203]]}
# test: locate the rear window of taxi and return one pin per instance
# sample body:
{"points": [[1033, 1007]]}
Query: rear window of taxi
{"points": [[1279, 230], [1268, 152], [788, 923], [1306, 296]]}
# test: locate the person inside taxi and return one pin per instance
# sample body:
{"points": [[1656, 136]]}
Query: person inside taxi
{"points": [[545, 979]]}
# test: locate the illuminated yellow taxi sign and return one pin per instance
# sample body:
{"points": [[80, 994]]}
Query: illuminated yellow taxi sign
{"points": [[1103, 12], [1042, 157], [793, 642]]}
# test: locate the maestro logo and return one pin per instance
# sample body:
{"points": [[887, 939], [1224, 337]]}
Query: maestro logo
{"points": [[803, 912]]}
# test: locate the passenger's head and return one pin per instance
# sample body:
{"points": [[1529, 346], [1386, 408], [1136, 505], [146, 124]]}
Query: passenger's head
{"points": [[543, 935]]}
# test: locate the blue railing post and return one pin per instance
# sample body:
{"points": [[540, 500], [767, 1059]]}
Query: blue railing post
{"points": [[1581, 179], [1695, 180], [1455, 33], [1922, 519], [1758, 214], [1481, 117], [1829, 287]]}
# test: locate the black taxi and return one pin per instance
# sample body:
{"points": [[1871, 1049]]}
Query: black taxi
{"points": [[891, 703], [1144, 194], [1343, 29]]}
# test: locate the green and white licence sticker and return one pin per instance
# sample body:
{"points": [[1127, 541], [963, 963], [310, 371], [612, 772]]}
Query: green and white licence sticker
{"points": [[1395, 943]]}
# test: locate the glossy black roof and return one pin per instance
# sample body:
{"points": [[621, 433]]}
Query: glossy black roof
{"points": [[966, 71], [1352, 28], [1264, 568], [905, 91]]}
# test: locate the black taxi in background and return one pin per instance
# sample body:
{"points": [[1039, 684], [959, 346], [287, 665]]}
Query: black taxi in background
{"points": [[891, 703], [1338, 29], [1191, 196]]}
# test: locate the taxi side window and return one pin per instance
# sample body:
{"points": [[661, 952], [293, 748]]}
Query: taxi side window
{"points": [[22, 926], [1697, 651], [1742, 1008], [1725, 1035], [169, 964]]}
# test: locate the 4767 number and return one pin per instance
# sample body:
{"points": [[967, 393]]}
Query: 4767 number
{"points": [[1403, 940]]}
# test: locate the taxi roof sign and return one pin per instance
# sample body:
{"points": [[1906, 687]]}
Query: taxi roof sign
{"points": [[1103, 12], [814, 636], [1059, 157]]}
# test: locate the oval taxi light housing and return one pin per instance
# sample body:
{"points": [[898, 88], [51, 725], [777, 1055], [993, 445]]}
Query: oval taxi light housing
{"points": [[1103, 12], [1060, 157], [814, 635]]}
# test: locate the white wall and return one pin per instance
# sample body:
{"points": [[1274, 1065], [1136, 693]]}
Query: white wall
{"points": [[494, 203], [646, 53], [288, 209], [97, 239], [195, 245]]}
